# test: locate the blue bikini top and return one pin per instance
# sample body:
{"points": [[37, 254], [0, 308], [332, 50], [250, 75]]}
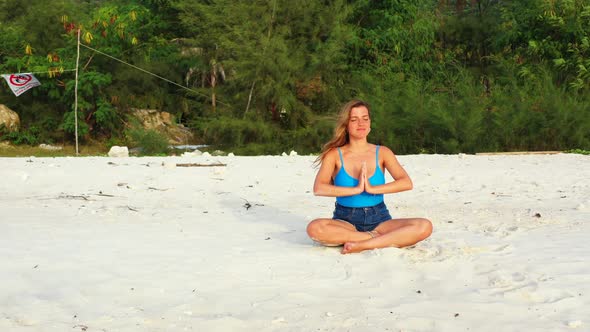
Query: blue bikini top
{"points": [[364, 199]]}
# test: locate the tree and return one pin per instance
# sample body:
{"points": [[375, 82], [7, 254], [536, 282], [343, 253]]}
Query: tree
{"points": [[267, 49]]}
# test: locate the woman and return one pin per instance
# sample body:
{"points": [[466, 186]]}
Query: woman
{"points": [[361, 220]]}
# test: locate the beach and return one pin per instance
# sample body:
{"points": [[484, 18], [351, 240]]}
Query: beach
{"points": [[173, 244]]}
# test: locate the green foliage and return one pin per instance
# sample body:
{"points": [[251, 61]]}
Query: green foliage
{"points": [[92, 107], [28, 136], [578, 151], [396, 36], [69, 124], [124, 30], [311, 138], [149, 142], [552, 33], [539, 116], [227, 132], [262, 56], [114, 141], [106, 116], [251, 136], [269, 76]]}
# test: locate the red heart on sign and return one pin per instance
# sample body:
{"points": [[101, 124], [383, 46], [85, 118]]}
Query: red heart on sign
{"points": [[20, 80]]}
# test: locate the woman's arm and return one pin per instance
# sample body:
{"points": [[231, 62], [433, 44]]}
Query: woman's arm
{"points": [[323, 185], [402, 181]]}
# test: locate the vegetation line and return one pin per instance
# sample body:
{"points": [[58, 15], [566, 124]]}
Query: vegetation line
{"points": [[441, 77], [517, 153]]}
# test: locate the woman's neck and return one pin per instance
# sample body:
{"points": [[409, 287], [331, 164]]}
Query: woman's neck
{"points": [[358, 144]]}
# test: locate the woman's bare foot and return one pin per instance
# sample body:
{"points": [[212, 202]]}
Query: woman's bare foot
{"points": [[352, 247]]}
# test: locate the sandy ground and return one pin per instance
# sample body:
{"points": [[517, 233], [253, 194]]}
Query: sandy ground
{"points": [[139, 244]]}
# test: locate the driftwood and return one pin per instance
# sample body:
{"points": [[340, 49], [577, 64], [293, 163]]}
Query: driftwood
{"points": [[82, 197], [518, 152], [200, 165], [153, 188]]}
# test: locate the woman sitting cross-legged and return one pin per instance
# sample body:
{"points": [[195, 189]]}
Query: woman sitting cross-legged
{"points": [[352, 170]]}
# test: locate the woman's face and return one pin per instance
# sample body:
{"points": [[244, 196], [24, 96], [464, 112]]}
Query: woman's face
{"points": [[359, 123]]}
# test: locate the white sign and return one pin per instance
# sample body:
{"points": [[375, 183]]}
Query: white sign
{"points": [[20, 83]]}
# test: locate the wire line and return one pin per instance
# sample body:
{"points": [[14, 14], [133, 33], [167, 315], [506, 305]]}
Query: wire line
{"points": [[148, 72], [43, 72]]}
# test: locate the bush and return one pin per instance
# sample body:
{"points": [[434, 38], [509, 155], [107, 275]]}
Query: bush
{"points": [[114, 141], [29, 136], [226, 132], [149, 142], [578, 151], [311, 138], [253, 136]]}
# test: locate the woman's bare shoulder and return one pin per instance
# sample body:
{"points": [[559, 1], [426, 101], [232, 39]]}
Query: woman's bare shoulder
{"points": [[386, 151], [331, 155]]}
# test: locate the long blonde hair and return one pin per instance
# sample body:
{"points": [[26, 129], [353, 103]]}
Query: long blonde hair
{"points": [[340, 137]]}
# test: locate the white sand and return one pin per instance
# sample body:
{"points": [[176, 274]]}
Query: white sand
{"points": [[141, 246]]}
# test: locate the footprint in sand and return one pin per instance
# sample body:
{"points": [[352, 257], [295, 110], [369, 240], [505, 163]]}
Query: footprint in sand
{"points": [[22, 321], [521, 287], [501, 231], [505, 283], [503, 249], [426, 252], [449, 250], [348, 271]]}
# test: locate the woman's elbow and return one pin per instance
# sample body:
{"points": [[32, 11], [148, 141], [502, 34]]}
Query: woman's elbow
{"points": [[316, 191], [321, 190], [410, 184]]}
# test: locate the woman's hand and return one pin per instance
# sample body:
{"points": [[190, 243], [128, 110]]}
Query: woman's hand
{"points": [[368, 187], [363, 182], [362, 179]]}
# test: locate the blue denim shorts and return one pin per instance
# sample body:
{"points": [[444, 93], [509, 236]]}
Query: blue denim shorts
{"points": [[365, 219]]}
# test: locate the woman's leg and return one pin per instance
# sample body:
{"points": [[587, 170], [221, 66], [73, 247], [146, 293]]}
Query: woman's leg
{"points": [[393, 233], [331, 232]]}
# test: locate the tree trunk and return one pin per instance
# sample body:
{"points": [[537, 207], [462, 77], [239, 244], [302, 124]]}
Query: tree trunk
{"points": [[249, 98], [273, 110], [213, 82], [272, 18]]}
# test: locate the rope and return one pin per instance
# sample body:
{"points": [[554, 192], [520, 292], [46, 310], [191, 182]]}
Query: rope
{"points": [[148, 72], [44, 72]]}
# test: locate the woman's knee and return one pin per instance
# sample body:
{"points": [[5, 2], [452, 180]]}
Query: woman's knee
{"points": [[315, 227], [424, 228]]}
